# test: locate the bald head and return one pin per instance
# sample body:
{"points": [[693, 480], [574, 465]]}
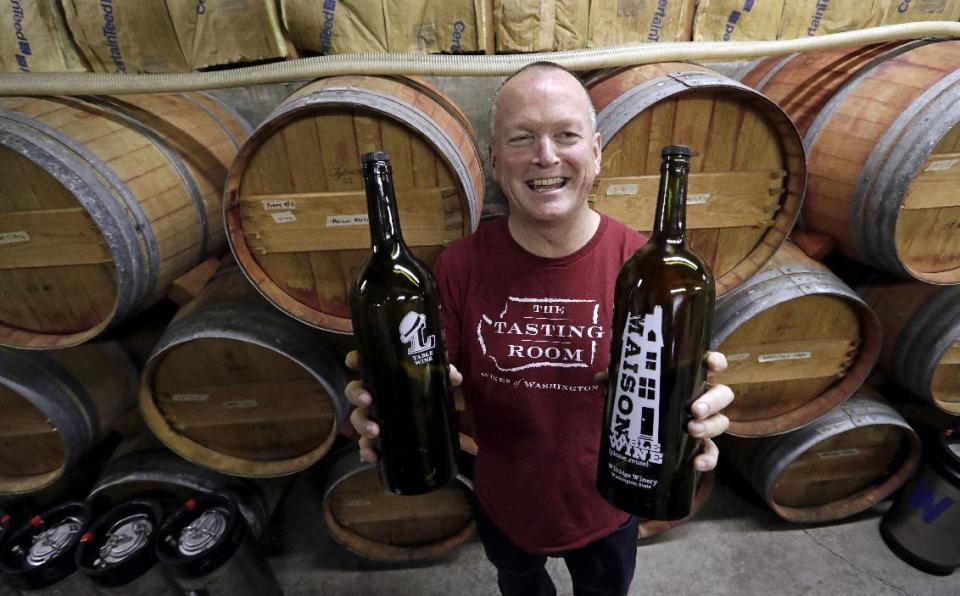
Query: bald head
{"points": [[518, 82]]}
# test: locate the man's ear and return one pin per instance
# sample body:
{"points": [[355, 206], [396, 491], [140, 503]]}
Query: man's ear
{"points": [[597, 151]]}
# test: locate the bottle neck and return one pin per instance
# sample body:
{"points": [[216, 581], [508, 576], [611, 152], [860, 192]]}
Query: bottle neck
{"points": [[671, 217], [384, 222]]}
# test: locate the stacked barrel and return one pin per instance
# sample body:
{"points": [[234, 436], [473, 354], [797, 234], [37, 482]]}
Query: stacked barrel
{"points": [[880, 131], [113, 209]]}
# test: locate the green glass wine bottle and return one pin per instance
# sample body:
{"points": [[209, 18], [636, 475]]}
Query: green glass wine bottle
{"points": [[662, 319], [396, 320]]}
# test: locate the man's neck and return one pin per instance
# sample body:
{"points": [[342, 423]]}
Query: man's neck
{"points": [[555, 241]]}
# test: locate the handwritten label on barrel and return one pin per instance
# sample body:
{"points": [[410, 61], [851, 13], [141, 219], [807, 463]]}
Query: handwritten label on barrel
{"points": [[941, 165], [335, 221], [622, 189], [14, 237], [240, 404], [190, 397], [698, 198], [784, 356], [850, 452], [277, 205], [738, 357], [283, 217]]}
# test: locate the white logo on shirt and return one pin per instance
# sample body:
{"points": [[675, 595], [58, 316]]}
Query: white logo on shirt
{"points": [[542, 332]]}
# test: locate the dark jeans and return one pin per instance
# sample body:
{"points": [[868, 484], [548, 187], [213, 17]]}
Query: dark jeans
{"points": [[602, 568]]}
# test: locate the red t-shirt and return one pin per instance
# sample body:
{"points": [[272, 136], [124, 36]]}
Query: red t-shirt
{"points": [[529, 333]]}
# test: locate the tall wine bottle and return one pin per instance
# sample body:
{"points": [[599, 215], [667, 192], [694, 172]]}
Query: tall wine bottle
{"points": [[396, 320], [662, 318]]}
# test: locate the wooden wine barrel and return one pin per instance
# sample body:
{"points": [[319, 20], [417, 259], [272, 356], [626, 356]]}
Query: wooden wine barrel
{"points": [[295, 209], [747, 175], [368, 521], [237, 386], [798, 341], [921, 337], [882, 133], [104, 202], [841, 464], [55, 406], [159, 474]]}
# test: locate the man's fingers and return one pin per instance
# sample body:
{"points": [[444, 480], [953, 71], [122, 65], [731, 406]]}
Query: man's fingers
{"points": [[456, 378], [357, 394], [367, 452], [352, 360], [602, 377], [363, 425], [714, 426], [716, 362], [706, 460], [713, 400]]}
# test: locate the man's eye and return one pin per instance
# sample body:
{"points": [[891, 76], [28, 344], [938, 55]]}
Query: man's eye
{"points": [[569, 136], [519, 140]]}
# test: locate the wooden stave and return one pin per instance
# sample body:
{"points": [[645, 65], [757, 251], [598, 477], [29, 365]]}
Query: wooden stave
{"points": [[665, 80], [138, 260], [919, 328], [346, 466], [82, 405], [775, 454], [869, 233], [244, 318], [310, 96], [790, 275]]}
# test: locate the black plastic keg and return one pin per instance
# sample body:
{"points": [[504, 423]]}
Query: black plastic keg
{"points": [[207, 547], [922, 526], [38, 557], [118, 553]]}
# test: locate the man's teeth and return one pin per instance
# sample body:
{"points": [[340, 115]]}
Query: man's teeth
{"points": [[540, 183]]}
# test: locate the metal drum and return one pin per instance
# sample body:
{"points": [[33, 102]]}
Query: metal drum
{"points": [[119, 554], [39, 556], [923, 524], [207, 548]]}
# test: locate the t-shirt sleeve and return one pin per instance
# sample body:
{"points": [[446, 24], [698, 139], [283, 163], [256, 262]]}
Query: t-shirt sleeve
{"points": [[449, 285]]}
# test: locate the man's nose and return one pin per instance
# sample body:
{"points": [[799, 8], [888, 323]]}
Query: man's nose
{"points": [[546, 152]]}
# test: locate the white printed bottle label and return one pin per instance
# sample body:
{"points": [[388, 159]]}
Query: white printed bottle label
{"points": [[334, 221], [413, 333], [14, 237], [635, 423], [698, 198], [784, 356], [282, 217], [277, 205], [197, 397], [622, 189], [941, 165]]}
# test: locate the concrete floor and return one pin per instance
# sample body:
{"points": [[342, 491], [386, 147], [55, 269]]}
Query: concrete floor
{"points": [[735, 545]]}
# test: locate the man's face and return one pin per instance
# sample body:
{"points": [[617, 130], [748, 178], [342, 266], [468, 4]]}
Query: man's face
{"points": [[545, 153]]}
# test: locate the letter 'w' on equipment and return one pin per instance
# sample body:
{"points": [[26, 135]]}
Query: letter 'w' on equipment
{"points": [[663, 309], [923, 524]]}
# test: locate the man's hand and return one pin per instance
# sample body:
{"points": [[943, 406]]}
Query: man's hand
{"points": [[707, 420], [358, 395]]}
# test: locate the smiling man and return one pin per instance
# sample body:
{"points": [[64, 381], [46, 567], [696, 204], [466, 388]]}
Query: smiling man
{"points": [[527, 306]]}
